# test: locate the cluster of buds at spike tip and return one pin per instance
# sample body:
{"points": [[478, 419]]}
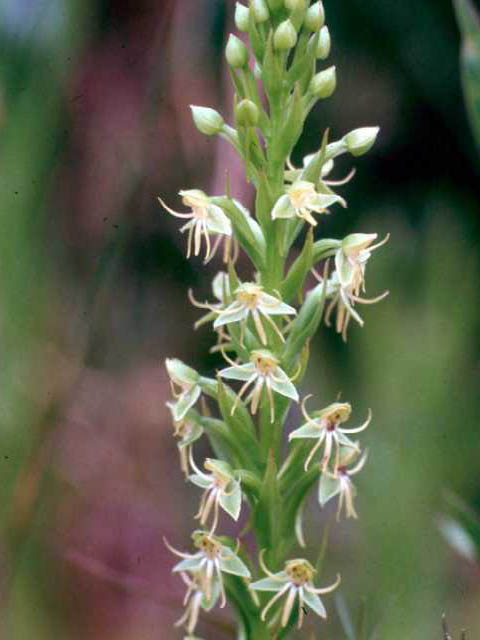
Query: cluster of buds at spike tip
{"points": [[220, 489], [263, 373], [262, 339], [295, 585]]}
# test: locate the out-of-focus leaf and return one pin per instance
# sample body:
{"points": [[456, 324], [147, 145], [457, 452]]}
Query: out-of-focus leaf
{"points": [[469, 23]]}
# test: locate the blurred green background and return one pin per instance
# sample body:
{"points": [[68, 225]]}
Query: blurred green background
{"points": [[94, 124]]}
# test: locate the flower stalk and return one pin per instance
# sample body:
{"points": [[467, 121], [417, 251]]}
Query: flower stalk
{"points": [[263, 327]]}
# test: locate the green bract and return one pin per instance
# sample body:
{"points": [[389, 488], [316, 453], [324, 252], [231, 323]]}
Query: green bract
{"points": [[264, 315]]}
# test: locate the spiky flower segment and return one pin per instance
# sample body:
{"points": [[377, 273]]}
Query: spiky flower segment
{"points": [[263, 325]]}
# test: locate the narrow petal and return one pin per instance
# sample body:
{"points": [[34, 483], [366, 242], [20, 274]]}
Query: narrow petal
{"points": [[271, 584], [242, 372], [307, 431], [231, 502], [217, 221], [232, 564], [283, 208], [269, 305], [234, 313], [281, 384], [314, 602], [185, 402], [203, 482], [190, 564], [328, 488]]}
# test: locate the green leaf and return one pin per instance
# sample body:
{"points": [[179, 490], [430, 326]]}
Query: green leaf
{"points": [[324, 249], [298, 64], [247, 230], [240, 424], [469, 23], [296, 494], [268, 512], [256, 41], [305, 324], [293, 283], [291, 129], [313, 170], [223, 441], [272, 72]]}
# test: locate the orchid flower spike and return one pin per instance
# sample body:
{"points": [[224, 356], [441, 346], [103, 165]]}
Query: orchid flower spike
{"points": [[187, 432], [340, 483], [209, 562], [263, 370], [323, 426], [185, 387], [220, 489], [250, 299], [204, 219], [295, 580], [300, 200]]}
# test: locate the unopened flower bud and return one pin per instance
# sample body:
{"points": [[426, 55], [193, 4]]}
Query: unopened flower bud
{"points": [[315, 17], [324, 43], [247, 113], [259, 10], [296, 5], [275, 5], [359, 141], [323, 84], [242, 17], [207, 121], [285, 36], [236, 52]]}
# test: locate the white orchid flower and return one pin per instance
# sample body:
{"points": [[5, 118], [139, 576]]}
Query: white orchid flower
{"points": [[301, 199], [195, 599], [251, 299], [348, 280], [294, 581], [209, 562], [263, 371], [340, 483], [323, 426], [185, 387], [220, 489], [187, 432], [204, 219]]}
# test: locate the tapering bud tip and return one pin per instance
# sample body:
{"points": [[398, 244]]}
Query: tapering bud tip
{"points": [[296, 5], [247, 113], [315, 17], [259, 10], [324, 83], [359, 141], [285, 36], [275, 5], [324, 43], [242, 17], [207, 121], [236, 52]]}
